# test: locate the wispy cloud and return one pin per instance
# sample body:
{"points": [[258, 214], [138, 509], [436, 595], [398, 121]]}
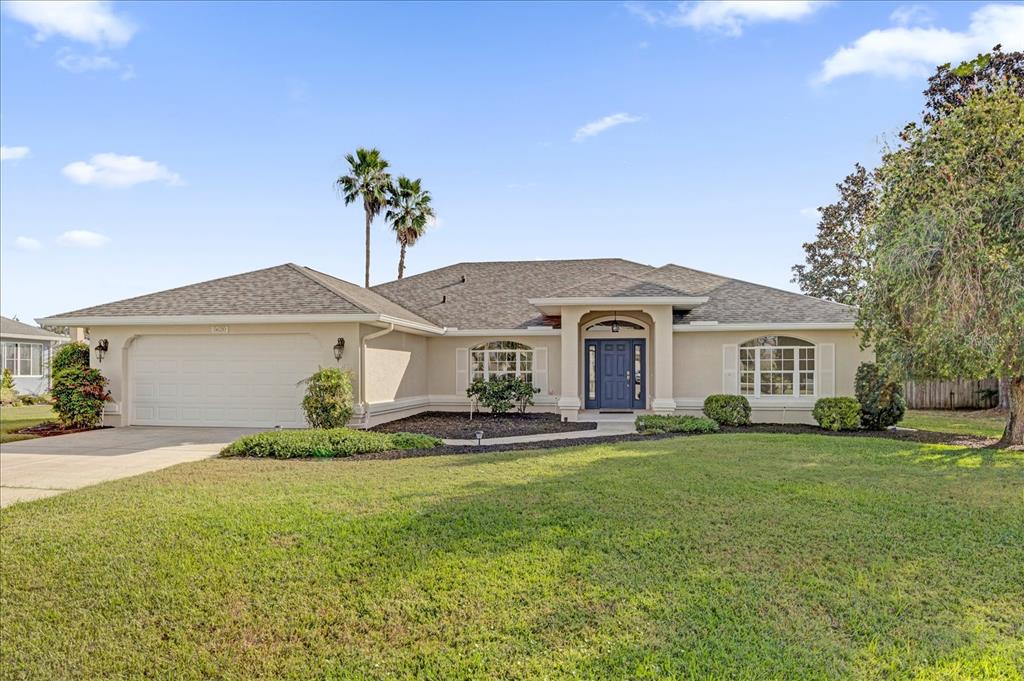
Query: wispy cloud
{"points": [[910, 15], [602, 124], [14, 153], [729, 17], [115, 170], [902, 52], [90, 21], [27, 243], [81, 63], [82, 238]]}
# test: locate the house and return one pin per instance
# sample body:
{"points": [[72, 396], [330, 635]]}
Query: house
{"points": [[26, 350], [591, 335]]}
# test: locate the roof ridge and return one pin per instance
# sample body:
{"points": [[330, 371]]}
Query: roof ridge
{"points": [[310, 273], [754, 283], [605, 276]]}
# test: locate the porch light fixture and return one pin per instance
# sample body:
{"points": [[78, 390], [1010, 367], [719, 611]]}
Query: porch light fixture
{"points": [[615, 323], [101, 349], [339, 349]]}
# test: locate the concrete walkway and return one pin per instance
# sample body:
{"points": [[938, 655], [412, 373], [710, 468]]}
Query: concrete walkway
{"points": [[43, 467], [607, 424]]}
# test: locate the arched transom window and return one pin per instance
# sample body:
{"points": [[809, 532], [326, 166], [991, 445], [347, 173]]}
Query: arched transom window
{"points": [[501, 358], [777, 365]]}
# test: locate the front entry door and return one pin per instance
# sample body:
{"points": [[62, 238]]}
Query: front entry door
{"points": [[615, 374]]}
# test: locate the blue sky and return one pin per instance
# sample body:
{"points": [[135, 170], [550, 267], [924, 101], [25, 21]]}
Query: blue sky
{"points": [[150, 145]]}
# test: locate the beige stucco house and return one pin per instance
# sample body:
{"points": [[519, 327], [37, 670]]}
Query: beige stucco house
{"points": [[591, 335]]}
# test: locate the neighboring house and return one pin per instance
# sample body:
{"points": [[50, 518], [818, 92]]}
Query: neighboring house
{"points": [[604, 334], [26, 351]]}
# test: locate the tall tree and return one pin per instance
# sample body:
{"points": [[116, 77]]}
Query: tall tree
{"points": [[367, 179], [944, 292], [834, 268], [409, 212], [951, 86]]}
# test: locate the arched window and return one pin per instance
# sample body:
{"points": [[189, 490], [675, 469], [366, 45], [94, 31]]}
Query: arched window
{"points": [[777, 365], [501, 358]]}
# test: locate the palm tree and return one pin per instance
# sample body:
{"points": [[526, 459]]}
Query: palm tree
{"points": [[409, 212], [369, 180]]}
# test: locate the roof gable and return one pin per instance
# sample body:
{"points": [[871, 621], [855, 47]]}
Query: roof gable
{"points": [[12, 328]]}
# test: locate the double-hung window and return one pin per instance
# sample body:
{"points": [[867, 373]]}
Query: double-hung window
{"points": [[499, 359], [23, 359], [777, 365]]}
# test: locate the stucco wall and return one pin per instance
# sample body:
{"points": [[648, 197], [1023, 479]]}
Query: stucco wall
{"points": [[396, 366], [441, 351], [115, 365]]}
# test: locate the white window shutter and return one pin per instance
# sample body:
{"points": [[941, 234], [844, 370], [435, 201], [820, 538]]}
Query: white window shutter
{"points": [[461, 370], [826, 370], [540, 370], [729, 364]]}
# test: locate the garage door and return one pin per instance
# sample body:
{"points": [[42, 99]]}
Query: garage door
{"points": [[221, 380]]}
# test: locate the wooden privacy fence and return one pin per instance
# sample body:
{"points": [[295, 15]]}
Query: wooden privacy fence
{"points": [[959, 394]]}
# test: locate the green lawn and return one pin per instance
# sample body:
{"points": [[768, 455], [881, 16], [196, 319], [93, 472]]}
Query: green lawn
{"points": [[725, 556], [16, 418], [987, 423]]}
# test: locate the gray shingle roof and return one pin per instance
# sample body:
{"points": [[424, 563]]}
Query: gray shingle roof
{"points": [[617, 286], [12, 327], [285, 289]]}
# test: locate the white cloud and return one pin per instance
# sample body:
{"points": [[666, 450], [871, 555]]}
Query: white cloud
{"points": [[115, 170], [81, 238], [602, 124], [908, 15], [26, 243], [729, 16], [14, 153], [903, 52], [80, 63], [90, 21]]}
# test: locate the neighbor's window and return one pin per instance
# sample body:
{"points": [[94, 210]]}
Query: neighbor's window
{"points": [[23, 359], [776, 365], [501, 358]]}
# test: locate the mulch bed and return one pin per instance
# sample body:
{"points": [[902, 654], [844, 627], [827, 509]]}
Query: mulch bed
{"points": [[51, 428], [456, 425], [924, 436]]}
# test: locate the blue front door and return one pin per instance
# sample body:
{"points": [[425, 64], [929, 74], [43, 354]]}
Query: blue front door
{"points": [[615, 374]]}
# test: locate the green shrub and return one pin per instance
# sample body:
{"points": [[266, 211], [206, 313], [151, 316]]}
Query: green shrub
{"points": [[29, 400], [8, 395], [68, 356], [328, 400], [837, 413], [649, 424], [332, 442], [728, 410], [79, 394], [881, 399], [500, 395]]}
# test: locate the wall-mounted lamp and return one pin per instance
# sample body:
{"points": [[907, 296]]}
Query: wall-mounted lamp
{"points": [[102, 346], [339, 349]]}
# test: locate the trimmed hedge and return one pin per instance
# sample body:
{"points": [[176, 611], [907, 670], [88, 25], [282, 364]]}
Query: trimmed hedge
{"points": [[79, 394], [650, 424], [837, 413], [330, 442], [328, 400], [728, 410]]}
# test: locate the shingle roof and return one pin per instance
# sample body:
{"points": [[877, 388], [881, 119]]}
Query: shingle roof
{"points": [[12, 328], [285, 289], [617, 286]]}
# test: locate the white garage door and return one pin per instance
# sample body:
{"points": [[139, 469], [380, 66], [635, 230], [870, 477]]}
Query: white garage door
{"points": [[221, 380]]}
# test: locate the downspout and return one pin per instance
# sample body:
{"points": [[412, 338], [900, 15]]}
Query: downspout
{"points": [[362, 370]]}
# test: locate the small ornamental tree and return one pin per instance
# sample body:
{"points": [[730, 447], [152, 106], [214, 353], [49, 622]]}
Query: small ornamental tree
{"points": [[78, 397], [69, 355], [328, 400], [7, 392], [944, 293], [881, 399]]}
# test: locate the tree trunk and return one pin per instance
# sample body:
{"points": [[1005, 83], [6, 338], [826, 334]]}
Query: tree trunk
{"points": [[1014, 433], [1004, 393], [369, 219], [401, 262]]}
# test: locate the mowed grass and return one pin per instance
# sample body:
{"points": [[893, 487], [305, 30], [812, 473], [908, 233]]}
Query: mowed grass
{"points": [[986, 423], [725, 556], [16, 418]]}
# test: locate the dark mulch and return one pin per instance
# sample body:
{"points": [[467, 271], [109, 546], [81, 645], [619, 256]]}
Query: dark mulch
{"points": [[924, 436], [456, 425], [51, 428]]}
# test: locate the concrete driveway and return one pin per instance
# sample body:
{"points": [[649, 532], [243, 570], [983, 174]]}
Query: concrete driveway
{"points": [[32, 469]]}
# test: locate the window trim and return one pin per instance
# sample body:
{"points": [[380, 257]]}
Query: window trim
{"points": [[17, 358], [490, 348], [796, 372]]}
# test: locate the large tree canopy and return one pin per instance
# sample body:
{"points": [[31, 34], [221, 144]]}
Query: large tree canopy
{"points": [[944, 291]]}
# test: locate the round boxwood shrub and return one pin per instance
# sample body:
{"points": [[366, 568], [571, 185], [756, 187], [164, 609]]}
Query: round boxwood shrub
{"points": [[881, 399], [328, 400], [68, 356], [78, 397], [837, 413], [728, 410]]}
